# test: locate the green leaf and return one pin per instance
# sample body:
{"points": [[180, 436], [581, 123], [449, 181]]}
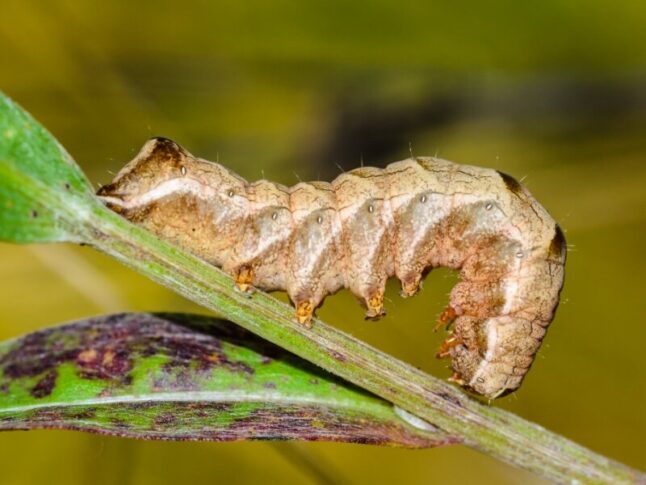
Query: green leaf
{"points": [[41, 187], [185, 377]]}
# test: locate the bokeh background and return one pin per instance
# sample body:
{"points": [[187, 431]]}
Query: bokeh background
{"points": [[553, 92]]}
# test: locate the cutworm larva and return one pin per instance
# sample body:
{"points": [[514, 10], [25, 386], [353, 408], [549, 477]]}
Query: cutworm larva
{"points": [[367, 225]]}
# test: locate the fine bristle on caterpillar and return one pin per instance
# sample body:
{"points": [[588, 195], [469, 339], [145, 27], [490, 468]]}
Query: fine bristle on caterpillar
{"points": [[367, 225]]}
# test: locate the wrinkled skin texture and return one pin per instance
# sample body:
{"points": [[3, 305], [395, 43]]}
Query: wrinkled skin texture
{"points": [[359, 230]]}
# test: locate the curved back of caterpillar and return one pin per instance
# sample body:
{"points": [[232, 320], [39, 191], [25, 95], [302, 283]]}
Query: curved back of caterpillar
{"points": [[367, 225]]}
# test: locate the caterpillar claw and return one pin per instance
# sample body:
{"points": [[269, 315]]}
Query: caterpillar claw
{"points": [[446, 318], [304, 313]]}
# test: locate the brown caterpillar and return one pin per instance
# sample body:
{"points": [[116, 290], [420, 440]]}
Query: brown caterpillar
{"points": [[367, 225]]}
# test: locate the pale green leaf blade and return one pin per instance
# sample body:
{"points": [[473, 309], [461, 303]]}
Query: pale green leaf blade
{"points": [[41, 188]]}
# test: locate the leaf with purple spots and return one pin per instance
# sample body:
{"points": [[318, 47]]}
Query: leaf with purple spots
{"points": [[186, 377]]}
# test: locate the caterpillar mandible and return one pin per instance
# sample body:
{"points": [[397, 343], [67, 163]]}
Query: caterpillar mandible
{"points": [[367, 225]]}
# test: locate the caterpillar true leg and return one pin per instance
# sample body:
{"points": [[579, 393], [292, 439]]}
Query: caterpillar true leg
{"points": [[445, 349], [447, 317]]}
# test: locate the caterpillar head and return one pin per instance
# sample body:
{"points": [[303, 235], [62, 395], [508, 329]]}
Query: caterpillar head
{"points": [[193, 203], [159, 160], [163, 169]]}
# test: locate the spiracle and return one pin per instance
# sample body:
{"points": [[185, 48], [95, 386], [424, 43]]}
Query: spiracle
{"points": [[366, 226]]}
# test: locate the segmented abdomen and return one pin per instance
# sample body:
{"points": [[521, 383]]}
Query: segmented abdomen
{"points": [[367, 225]]}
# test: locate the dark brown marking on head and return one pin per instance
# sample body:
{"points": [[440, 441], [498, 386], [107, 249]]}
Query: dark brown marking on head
{"points": [[164, 148], [558, 246], [161, 156], [511, 183], [107, 190]]}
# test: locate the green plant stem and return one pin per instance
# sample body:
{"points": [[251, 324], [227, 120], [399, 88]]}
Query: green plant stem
{"points": [[485, 428]]}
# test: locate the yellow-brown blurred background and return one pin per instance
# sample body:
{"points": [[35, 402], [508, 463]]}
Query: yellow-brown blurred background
{"points": [[553, 92]]}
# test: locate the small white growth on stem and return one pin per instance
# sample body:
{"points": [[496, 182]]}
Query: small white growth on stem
{"points": [[414, 421]]}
